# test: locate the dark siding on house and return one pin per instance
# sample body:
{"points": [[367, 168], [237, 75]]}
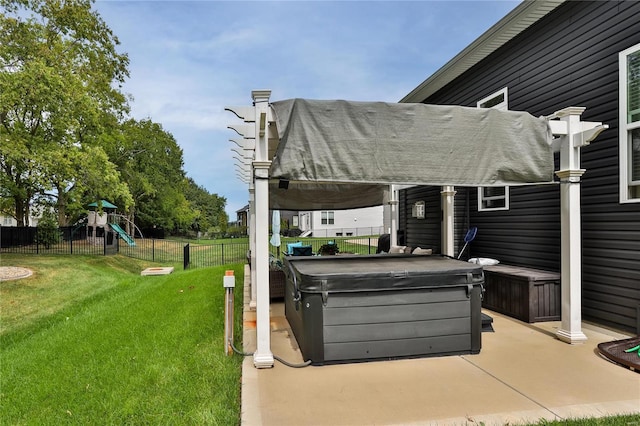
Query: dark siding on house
{"points": [[423, 233], [569, 58]]}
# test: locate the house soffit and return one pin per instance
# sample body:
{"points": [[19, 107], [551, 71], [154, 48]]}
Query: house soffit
{"points": [[518, 20]]}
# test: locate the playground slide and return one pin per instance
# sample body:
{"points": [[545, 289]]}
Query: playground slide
{"points": [[123, 234]]}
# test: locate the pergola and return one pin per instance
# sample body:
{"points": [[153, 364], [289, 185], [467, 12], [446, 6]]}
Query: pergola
{"points": [[308, 155]]}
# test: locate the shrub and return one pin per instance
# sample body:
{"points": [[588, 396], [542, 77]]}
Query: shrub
{"points": [[48, 232]]}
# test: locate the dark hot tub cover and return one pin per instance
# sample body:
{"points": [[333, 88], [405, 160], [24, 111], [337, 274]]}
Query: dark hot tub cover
{"points": [[338, 274]]}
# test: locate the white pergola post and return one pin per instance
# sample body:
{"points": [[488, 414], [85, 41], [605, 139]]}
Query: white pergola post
{"points": [[570, 173], [574, 134], [262, 357], [254, 166], [448, 243], [393, 203]]}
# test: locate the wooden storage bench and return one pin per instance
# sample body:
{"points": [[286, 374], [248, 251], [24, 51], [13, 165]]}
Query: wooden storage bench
{"points": [[527, 294]]}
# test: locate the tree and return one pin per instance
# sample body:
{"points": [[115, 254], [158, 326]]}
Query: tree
{"points": [[151, 163], [60, 80], [211, 216]]}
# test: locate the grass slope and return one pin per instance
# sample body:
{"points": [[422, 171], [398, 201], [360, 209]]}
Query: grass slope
{"points": [[141, 350]]}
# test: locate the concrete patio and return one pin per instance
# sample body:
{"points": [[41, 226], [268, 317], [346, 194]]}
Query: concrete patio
{"points": [[522, 375]]}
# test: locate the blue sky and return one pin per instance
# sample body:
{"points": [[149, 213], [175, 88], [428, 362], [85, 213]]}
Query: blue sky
{"points": [[190, 59]]}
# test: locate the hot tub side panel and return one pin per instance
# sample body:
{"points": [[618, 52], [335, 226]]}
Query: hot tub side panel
{"points": [[386, 324], [305, 319], [395, 324]]}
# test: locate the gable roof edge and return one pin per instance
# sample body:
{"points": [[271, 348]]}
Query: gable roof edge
{"points": [[518, 20]]}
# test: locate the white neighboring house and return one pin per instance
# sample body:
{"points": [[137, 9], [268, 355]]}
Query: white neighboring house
{"points": [[342, 223], [10, 221]]}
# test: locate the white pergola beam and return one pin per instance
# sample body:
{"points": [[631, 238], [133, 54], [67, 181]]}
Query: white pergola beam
{"points": [[247, 131], [247, 144], [245, 113]]}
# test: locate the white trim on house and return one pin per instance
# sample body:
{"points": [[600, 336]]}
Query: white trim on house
{"points": [[487, 203], [500, 101], [501, 105], [626, 126]]}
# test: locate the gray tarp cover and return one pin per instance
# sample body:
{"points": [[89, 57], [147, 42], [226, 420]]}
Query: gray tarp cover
{"points": [[336, 141]]}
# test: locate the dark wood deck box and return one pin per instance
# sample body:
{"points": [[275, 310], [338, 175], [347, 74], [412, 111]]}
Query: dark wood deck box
{"points": [[527, 294], [277, 281]]}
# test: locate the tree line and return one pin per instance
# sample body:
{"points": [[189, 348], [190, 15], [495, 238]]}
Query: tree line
{"points": [[66, 137]]}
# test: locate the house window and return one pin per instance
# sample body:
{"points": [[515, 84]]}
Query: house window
{"points": [[494, 198], [327, 218], [497, 100], [629, 66]]}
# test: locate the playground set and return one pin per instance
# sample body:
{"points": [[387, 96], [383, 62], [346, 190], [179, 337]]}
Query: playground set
{"points": [[107, 224]]}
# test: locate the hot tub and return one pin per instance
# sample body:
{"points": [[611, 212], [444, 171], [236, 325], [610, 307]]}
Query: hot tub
{"points": [[356, 308]]}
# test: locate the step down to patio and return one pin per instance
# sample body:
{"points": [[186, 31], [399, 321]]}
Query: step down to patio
{"points": [[487, 323]]}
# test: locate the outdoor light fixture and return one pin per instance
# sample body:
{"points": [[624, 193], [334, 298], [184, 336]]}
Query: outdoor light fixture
{"points": [[418, 210]]}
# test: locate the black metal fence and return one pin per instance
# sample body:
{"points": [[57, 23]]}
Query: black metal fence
{"points": [[24, 240], [64, 240], [188, 253]]}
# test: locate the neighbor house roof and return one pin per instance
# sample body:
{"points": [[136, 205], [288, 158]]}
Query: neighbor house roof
{"points": [[518, 20]]}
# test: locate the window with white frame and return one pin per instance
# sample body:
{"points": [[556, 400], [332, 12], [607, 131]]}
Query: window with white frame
{"points": [[494, 198], [496, 100], [326, 218], [629, 67]]}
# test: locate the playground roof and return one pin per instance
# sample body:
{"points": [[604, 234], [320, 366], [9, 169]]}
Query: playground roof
{"points": [[105, 204]]}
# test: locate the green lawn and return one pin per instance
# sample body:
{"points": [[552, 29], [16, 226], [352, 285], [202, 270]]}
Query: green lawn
{"points": [[87, 340]]}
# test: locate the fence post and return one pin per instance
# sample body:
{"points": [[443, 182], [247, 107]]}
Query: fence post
{"points": [[222, 254], [153, 249], [186, 257]]}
